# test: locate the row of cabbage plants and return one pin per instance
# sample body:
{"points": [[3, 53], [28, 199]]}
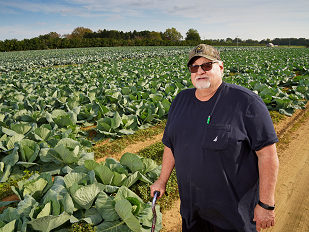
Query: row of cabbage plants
{"points": [[279, 75], [25, 60]]}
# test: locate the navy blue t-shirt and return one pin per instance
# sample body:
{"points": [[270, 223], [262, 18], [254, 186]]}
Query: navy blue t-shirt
{"points": [[216, 164]]}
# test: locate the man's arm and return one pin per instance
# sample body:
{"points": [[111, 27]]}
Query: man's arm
{"points": [[268, 164], [168, 164]]}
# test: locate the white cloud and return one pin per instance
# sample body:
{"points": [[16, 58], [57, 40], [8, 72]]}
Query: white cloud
{"points": [[115, 17], [141, 3], [6, 11], [30, 6], [20, 32]]}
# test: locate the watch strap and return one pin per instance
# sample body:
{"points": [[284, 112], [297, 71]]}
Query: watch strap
{"points": [[268, 207]]}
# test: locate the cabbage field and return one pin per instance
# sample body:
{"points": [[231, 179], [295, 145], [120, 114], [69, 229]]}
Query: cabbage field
{"points": [[48, 96]]}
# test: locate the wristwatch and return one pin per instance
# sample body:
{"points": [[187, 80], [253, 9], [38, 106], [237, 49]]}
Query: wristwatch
{"points": [[268, 207]]}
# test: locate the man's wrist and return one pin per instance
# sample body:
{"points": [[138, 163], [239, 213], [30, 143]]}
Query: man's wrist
{"points": [[265, 206]]}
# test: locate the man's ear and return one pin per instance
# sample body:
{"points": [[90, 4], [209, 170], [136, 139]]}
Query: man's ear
{"points": [[221, 66]]}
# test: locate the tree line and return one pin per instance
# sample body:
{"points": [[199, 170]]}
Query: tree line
{"points": [[84, 37]]}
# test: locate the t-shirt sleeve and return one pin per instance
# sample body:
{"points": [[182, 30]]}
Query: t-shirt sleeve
{"points": [[165, 139], [259, 126]]}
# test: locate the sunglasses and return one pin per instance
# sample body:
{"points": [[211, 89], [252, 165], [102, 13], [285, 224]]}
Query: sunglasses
{"points": [[205, 66]]}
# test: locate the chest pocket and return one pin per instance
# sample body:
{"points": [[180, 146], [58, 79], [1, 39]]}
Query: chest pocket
{"points": [[216, 137]]}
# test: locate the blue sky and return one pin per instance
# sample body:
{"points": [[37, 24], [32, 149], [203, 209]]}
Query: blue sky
{"points": [[245, 19]]}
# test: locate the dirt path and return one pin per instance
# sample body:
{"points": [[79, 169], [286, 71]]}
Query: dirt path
{"points": [[135, 147]]}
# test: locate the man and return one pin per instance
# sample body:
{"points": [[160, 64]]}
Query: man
{"points": [[221, 140]]}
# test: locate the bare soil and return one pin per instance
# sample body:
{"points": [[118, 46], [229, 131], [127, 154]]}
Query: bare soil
{"points": [[292, 201]]}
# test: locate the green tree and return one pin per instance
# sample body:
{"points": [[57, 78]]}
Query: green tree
{"points": [[79, 32], [155, 35], [229, 40], [192, 34], [49, 35], [173, 34], [54, 35]]}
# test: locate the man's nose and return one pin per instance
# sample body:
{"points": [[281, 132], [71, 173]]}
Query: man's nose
{"points": [[200, 70]]}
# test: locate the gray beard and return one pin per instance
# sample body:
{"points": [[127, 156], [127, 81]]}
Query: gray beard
{"points": [[202, 84]]}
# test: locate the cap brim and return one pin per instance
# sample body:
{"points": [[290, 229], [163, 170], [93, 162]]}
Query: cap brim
{"points": [[199, 55]]}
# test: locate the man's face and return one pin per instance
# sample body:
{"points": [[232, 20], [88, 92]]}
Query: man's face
{"points": [[206, 79]]}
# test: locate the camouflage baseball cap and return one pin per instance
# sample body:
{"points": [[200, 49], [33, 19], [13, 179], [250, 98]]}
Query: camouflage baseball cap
{"points": [[204, 50]]}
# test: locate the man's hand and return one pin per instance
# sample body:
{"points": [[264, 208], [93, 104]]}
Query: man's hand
{"points": [[158, 186], [264, 218]]}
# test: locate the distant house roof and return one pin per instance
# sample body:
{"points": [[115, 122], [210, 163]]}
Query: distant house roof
{"points": [[269, 45]]}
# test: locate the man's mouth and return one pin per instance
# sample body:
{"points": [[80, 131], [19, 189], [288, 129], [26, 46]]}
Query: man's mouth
{"points": [[201, 78]]}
